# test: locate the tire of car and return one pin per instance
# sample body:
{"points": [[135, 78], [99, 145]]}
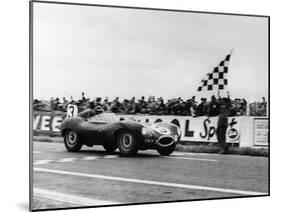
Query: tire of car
{"points": [[72, 142], [110, 148], [165, 151], [127, 143]]}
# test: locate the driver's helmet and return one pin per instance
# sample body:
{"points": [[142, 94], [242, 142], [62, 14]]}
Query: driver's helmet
{"points": [[99, 109]]}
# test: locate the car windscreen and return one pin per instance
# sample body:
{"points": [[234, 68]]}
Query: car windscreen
{"points": [[104, 118]]}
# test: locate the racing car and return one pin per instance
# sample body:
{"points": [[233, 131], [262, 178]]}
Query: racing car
{"points": [[91, 128]]}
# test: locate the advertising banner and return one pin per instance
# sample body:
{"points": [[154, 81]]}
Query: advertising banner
{"points": [[260, 132], [201, 129], [247, 131], [47, 122]]}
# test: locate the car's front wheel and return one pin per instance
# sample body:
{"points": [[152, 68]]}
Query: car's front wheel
{"points": [[72, 142], [127, 143], [165, 151]]}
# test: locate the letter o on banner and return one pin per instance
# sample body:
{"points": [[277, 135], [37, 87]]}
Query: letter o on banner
{"points": [[158, 120], [176, 122]]}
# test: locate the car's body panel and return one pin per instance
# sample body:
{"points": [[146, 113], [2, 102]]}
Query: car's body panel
{"points": [[103, 129]]}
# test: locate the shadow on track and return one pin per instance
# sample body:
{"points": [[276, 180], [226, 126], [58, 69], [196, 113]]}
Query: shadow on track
{"points": [[104, 153]]}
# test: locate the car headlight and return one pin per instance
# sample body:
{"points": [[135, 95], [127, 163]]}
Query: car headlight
{"points": [[144, 131]]}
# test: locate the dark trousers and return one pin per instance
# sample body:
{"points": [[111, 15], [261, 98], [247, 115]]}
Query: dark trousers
{"points": [[221, 135]]}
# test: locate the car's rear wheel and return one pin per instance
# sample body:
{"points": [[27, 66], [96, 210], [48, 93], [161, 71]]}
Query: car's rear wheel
{"points": [[72, 142], [165, 151], [110, 148], [127, 143]]}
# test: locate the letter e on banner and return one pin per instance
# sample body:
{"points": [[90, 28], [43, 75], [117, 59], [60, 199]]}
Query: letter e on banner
{"points": [[45, 123], [56, 123]]}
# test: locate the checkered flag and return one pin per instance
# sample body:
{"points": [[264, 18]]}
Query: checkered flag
{"points": [[217, 80]]}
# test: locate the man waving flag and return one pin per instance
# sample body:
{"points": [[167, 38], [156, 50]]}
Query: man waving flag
{"points": [[216, 80]]}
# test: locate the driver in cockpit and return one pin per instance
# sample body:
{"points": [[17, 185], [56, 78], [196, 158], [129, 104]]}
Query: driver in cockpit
{"points": [[91, 112]]}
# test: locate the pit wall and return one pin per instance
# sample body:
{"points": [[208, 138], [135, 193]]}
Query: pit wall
{"points": [[245, 130]]}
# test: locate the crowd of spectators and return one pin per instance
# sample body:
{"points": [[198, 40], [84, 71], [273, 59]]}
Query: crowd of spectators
{"points": [[155, 106], [258, 108]]}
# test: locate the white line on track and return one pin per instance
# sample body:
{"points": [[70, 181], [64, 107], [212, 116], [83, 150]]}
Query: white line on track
{"points": [[90, 158], [41, 162], [62, 160], [110, 156], [187, 158], [131, 180], [188, 153], [73, 199], [66, 160]]}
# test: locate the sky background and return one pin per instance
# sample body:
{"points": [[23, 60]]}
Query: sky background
{"points": [[110, 52]]}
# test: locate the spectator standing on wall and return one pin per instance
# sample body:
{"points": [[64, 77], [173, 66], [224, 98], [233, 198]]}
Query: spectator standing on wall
{"points": [[193, 109], [141, 106], [234, 105], [243, 107], [263, 107], [83, 97], [92, 104], [56, 104], [160, 106], [106, 105], [188, 105], [125, 106], [214, 107], [202, 108], [72, 101], [52, 104], [222, 124], [116, 105], [131, 106], [64, 104]]}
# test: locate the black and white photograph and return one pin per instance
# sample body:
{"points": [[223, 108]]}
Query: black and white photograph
{"points": [[142, 105]]}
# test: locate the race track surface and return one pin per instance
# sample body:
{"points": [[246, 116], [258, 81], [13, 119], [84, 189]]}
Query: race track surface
{"points": [[92, 177]]}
